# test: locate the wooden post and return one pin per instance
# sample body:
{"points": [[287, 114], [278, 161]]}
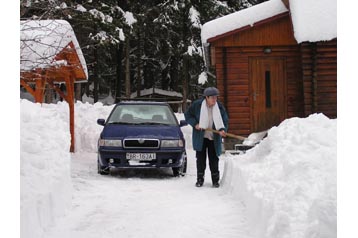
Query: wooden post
{"points": [[70, 100], [39, 90]]}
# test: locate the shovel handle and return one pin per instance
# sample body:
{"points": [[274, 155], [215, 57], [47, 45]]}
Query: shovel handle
{"points": [[227, 134]]}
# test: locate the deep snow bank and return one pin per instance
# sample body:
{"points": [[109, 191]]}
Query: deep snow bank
{"points": [[289, 182], [44, 166], [86, 128], [45, 171]]}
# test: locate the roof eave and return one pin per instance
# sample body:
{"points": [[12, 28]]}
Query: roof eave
{"points": [[273, 18]]}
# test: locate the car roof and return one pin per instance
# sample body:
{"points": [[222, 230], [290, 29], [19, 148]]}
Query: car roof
{"points": [[142, 103]]}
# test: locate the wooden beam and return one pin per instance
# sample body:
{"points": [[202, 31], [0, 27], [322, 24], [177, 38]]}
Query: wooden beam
{"points": [[70, 99], [57, 89], [27, 87], [40, 89]]}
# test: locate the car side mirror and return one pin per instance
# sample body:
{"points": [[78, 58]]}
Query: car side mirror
{"points": [[101, 122], [182, 123]]}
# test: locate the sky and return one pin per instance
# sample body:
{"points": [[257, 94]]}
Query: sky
{"points": [[285, 187], [347, 126]]}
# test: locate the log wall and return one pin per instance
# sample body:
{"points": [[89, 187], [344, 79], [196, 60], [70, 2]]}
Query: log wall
{"points": [[319, 64], [237, 97]]}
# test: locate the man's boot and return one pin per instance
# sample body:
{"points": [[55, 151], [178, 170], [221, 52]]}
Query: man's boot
{"points": [[215, 179], [200, 180]]}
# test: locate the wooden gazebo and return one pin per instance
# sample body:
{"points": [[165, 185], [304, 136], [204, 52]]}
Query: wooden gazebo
{"points": [[50, 54]]}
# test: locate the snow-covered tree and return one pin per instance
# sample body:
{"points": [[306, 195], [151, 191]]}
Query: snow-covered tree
{"points": [[158, 40]]}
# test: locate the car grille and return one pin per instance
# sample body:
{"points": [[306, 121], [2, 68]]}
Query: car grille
{"points": [[141, 143]]}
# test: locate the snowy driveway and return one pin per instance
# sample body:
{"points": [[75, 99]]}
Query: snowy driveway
{"points": [[147, 203]]}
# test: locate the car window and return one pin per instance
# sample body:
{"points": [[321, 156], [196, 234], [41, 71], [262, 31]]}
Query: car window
{"points": [[142, 114]]}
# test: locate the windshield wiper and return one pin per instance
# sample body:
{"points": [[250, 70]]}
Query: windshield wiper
{"points": [[122, 123], [152, 123]]}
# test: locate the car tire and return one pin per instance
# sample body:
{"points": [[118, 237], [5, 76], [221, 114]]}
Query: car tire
{"points": [[101, 170], [180, 171]]}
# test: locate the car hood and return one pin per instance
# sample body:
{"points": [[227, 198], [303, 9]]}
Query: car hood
{"points": [[142, 131]]}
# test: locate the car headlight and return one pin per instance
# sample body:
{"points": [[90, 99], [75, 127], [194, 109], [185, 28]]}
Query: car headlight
{"points": [[114, 143], [172, 143]]}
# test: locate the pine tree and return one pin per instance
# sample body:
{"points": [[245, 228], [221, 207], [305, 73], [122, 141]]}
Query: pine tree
{"points": [[163, 41]]}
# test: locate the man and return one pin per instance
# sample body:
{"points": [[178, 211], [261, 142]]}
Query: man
{"points": [[207, 113]]}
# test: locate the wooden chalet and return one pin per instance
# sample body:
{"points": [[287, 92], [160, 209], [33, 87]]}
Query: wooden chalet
{"points": [[270, 66], [49, 55]]}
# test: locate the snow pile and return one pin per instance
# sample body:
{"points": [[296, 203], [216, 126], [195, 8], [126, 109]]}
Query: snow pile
{"points": [[314, 20], [86, 128], [46, 186], [288, 181], [45, 166]]}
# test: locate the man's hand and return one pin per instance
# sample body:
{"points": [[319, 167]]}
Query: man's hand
{"points": [[197, 127], [222, 133]]}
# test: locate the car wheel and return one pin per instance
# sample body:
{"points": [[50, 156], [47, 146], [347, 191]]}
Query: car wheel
{"points": [[180, 171], [101, 170]]}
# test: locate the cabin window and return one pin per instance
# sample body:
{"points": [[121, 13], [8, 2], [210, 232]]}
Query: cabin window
{"points": [[268, 88]]}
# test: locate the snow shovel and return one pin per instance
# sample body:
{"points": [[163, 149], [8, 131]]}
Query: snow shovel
{"points": [[227, 134], [247, 142]]}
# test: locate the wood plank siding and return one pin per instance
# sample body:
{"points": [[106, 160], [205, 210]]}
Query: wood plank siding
{"points": [[230, 55], [309, 72], [238, 96], [319, 64]]}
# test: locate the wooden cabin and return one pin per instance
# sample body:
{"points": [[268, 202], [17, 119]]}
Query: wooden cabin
{"points": [[50, 55], [266, 75]]}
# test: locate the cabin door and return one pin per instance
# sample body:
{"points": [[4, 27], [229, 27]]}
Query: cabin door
{"points": [[268, 92]]}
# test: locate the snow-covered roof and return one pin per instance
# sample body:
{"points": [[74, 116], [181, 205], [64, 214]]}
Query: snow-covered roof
{"points": [[312, 20], [42, 40], [150, 91], [239, 19]]}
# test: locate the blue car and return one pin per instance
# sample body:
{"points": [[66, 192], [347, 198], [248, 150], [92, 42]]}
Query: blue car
{"points": [[141, 135]]}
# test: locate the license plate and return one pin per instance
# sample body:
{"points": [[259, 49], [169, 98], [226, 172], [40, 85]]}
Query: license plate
{"points": [[140, 156]]}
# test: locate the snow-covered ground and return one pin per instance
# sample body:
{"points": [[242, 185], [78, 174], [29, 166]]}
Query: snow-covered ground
{"points": [[284, 187]]}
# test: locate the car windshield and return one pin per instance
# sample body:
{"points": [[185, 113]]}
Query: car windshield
{"points": [[140, 114]]}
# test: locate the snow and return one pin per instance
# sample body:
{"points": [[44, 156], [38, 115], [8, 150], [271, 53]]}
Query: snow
{"points": [[312, 20], [120, 34], [81, 8], [150, 91], [45, 166], [101, 15], [194, 16], [47, 38], [203, 78], [284, 187], [130, 20], [289, 181], [242, 18]]}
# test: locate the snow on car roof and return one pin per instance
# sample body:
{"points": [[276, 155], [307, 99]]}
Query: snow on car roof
{"points": [[143, 102]]}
